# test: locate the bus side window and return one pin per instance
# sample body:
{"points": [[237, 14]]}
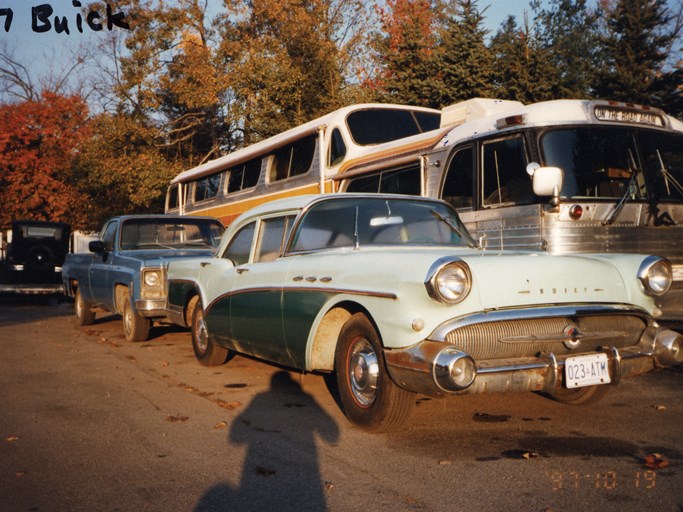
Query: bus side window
{"points": [[337, 148], [458, 184], [504, 178], [172, 198]]}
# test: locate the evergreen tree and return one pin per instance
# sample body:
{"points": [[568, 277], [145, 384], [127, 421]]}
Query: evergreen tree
{"points": [[466, 63], [570, 34], [635, 50], [524, 69]]}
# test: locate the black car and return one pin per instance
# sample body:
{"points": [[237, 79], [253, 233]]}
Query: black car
{"points": [[37, 251]]}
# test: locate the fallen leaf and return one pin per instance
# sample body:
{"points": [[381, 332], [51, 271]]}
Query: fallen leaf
{"points": [[529, 455], [177, 417], [19, 473], [220, 424], [228, 405], [329, 485], [11, 439], [660, 407], [444, 462], [655, 461]]}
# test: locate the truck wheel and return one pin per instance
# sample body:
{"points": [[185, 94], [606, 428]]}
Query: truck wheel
{"points": [[206, 351], [580, 396], [369, 397], [135, 327], [84, 314]]}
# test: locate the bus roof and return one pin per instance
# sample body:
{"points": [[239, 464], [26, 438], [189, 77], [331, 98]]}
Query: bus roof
{"points": [[267, 145]]}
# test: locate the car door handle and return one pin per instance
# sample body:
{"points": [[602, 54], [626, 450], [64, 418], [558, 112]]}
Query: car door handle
{"points": [[241, 270], [205, 263]]}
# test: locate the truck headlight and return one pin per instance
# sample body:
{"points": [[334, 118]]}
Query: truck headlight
{"points": [[656, 276], [449, 282], [152, 278], [153, 284]]}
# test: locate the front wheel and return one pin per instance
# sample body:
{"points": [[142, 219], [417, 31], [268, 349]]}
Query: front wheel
{"points": [[369, 397], [135, 327], [84, 314], [580, 396], [206, 351]]}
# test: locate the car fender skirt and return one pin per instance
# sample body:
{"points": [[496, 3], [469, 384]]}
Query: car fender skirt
{"points": [[436, 368]]}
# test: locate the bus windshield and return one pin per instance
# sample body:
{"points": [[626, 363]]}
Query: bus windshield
{"points": [[611, 162]]}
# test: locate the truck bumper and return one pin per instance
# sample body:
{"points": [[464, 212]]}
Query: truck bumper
{"points": [[151, 308]]}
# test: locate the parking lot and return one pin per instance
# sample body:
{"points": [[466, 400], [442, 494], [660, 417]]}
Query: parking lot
{"points": [[91, 422]]}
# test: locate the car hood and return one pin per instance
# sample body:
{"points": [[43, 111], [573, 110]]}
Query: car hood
{"points": [[504, 280], [166, 254]]}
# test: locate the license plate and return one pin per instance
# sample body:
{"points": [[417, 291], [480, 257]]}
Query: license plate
{"points": [[587, 370]]}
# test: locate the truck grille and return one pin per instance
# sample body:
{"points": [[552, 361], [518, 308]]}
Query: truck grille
{"points": [[528, 337]]}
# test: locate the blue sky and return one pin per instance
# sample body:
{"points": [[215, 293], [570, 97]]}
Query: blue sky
{"points": [[50, 52]]}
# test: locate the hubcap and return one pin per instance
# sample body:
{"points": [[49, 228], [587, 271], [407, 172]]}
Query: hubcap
{"points": [[201, 335], [363, 372]]}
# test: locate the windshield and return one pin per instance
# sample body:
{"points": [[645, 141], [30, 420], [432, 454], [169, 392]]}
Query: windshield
{"points": [[378, 125], [362, 222], [600, 162], [141, 234]]}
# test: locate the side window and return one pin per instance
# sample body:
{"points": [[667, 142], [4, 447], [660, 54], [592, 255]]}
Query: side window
{"points": [[458, 184], [403, 181], [206, 188], [243, 176], [337, 148], [240, 245], [272, 234], [172, 202], [294, 159], [504, 176], [109, 236]]}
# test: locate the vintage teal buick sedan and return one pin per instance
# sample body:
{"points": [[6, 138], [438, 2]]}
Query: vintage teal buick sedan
{"points": [[393, 295]]}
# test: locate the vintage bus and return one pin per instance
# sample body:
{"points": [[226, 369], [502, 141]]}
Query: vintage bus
{"points": [[564, 176], [309, 159]]}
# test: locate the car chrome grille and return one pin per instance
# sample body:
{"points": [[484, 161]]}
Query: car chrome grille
{"points": [[528, 337]]}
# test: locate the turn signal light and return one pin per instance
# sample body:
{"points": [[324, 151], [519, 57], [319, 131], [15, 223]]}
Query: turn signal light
{"points": [[575, 212]]}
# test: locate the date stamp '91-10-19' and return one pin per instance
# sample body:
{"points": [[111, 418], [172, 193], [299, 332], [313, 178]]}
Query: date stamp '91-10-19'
{"points": [[42, 19], [607, 480]]}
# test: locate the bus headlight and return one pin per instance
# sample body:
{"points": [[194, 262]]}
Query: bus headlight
{"points": [[449, 282], [656, 276]]}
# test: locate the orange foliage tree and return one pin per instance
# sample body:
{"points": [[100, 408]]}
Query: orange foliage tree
{"points": [[38, 144]]}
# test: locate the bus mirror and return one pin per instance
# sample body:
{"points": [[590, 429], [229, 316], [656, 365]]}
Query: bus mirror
{"points": [[547, 181]]}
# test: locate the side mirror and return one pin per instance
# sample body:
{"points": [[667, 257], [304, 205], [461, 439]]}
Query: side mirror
{"points": [[96, 246], [546, 181]]}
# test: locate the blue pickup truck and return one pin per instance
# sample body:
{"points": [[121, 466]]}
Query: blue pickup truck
{"points": [[126, 272]]}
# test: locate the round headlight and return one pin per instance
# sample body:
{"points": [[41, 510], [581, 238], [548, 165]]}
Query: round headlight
{"points": [[450, 283], [656, 276], [152, 279]]}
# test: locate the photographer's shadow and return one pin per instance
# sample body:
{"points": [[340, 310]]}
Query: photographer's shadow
{"points": [[281, 470]]}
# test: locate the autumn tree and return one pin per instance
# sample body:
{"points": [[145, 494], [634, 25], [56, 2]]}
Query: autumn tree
{"points": [[121, 168], [635, 48], [39, 142], [465, 63], [290, 60], [406, 52]]}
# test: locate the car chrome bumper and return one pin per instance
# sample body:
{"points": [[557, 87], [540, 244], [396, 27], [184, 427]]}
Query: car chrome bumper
{"points": [[427, 366], [151, 308]]}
